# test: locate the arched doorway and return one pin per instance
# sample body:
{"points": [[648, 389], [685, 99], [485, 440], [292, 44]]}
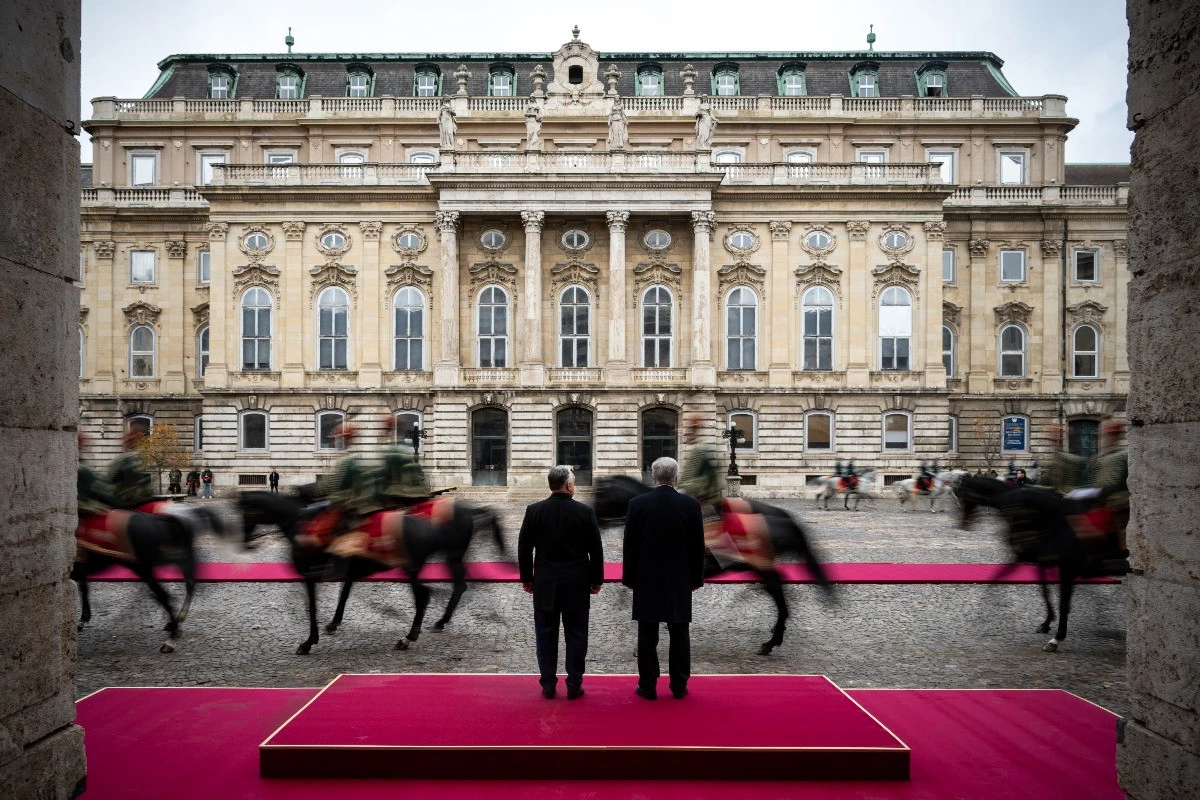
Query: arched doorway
{"points": [[1083, 437], [489, 447], [574, 428], [660, 436]]}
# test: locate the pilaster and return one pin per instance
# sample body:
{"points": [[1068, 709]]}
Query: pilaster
{"points": [[445, 373], [216, 376], [370, 314], [931, 305], [703, 371], [858, 302], [1121, 326], [778, 321], [617, 367], [1052, 323], [978, 373], [532, 368], [104, 382]]}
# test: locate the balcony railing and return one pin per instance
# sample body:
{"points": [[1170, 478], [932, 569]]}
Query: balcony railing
{"points": [[318, 174], [659, 375], [842, 174], [587, 375], [1039, 195], [134, 197], [494, 376]]}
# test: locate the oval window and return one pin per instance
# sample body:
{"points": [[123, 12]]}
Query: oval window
{"points": [[492, 239], [658, 239], [575, 240], [741, 240], [818, 240], [410, 240], [894, 240], [256, 241], [333, 240]]}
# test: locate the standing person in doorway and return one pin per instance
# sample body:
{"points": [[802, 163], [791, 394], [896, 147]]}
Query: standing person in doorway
{"points": [[273, 478], [206, 483], [562, 565], [663, 564]]}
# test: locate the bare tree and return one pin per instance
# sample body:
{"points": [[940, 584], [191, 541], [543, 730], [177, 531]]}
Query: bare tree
{"points": [[988, 439], [162, 450]]}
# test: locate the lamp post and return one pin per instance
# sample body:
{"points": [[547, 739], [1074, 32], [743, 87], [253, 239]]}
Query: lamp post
{"points": [[415, 436], [734, 435]]}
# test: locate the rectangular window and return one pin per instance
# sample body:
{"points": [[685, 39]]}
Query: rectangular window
{"points": [[359, 86], [866, 84], [818, 432], [198, 433], [1012, 266], [327, 426], [744, 422], [280, 158], [218, 87], [650, 84], [142, 169], [946, 159], [141, 266], [895, 432], [502, 85], [82, 263], [793, 84], [254, 431], [1087, 265], [934, 84], [202, 259], [206, 166], [427, 85], [952, 445], [289, 87], [1012, 166], [872, 157], [949, 265], [727, 85]]}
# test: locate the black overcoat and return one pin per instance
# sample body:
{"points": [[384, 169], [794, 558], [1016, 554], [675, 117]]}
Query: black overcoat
{"points": [[664, 555], [559, 551]]}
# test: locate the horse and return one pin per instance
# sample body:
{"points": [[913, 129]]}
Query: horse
{"points": [[833, 485], [422, 539], [153, 539], [1040, 533], [940, 485], [785, 533]]}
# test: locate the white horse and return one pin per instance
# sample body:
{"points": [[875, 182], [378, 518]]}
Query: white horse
{"points": [[833, 485], [941, 485]]}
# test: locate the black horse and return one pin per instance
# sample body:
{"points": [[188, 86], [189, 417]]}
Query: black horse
{"points": [[1039, 532], [787, 536], [422, 540], [155, 539]]}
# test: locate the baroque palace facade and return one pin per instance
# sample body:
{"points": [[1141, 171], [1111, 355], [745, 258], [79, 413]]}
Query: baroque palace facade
{"points": [[554, 258]]}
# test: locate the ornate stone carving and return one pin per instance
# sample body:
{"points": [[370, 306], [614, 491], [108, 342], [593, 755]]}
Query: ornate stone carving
{"points": [[951, 312], [821, 274], [255, 274], [444, 221], [1013, 311], [570, 272], [704, 220], [1119, 248], [857, 229], [688, 73], [533, 221], [217, 231], [408, 247], [333, 274], [199, 315], [649, 273], [494, 225], [139, 312], [896, 254], [819, 254], [538, 73], [740, 274], [105, 249], [83, 316], [462, 75], [978, 247], [935, 230], [293, 230], [1087, 311], [488, 272], [256, 253], [371, 229], [617, 220], [780, 229], [1051, 248], [895, 274], [408, 274], [176, 248], [574, 251], [332, 254], [741, 252]]}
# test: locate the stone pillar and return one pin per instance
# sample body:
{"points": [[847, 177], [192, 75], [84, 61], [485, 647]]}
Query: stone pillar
{"points": [[445, 373], [703, 371], [931, 305], [533, 367], [1052, 322], [105, 380], [1121, 334], [368, 321], [777, 308], [1159, 756], [41, 751], [860, 341], [617, 368], [978, 381], [294, 347], [220, 338]]}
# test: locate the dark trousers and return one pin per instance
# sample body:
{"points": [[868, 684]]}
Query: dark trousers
{"points": [[679, 654], [574, 620], [274, 487]]}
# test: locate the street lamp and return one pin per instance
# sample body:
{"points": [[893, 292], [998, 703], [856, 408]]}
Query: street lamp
{"points": [[415, 436], [734, 435]]}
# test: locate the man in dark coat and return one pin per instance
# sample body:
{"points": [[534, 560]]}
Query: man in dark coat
{"points": [[273, 479], [562, 566], [664, 564]]}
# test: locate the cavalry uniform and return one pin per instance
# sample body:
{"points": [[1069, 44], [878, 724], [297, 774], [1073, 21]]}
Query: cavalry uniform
{"points": [[101, 529], [701, 477], [130, 482], [1064, 472], [402, 482], [1110, 474]]}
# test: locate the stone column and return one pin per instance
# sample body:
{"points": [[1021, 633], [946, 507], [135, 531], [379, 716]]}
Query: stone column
{"points": [[1120, 335], [216, 376], [1052, 323], [41, 751], [445, 373], [368, 318], [533, 367], [703, 371], [979, 371], [777, 306], [617, 368], [295, 347], [857, 332], [931, 304], [104, 381]]}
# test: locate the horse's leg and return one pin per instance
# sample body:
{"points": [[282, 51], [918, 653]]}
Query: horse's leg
{"points": [[343, 596], [773, 586], [421, 601], [1045, 626], [1066, 586], [187, 565], [459, 573], [314, 636], [85, 605], [146, 573]]}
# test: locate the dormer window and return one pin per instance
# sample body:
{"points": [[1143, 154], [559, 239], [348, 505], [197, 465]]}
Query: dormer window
{"points": [[791, 81], [725, 80], [360, 82], [864, 80], [221, 83], [502, 82], [427, 81], [575, 75], [650, 81], [931, 80], [289, 84]]}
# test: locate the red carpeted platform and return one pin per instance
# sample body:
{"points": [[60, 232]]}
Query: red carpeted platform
{"points": [[506, 572], [202, 743], [427, 726]]}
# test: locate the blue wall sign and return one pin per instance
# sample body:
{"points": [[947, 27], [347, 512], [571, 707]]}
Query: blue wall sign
{"points": [[1014, 433]]}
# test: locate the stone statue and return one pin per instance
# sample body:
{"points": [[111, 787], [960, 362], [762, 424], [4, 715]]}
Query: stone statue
{"points": [[447, 125], [533, 127], [618, 127], [706, 124]]}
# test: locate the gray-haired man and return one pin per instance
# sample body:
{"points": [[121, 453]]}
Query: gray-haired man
{"points": [[562, 565]]}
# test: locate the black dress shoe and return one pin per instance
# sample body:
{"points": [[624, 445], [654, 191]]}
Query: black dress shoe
{"points": [[548, 693], [679, 694], [649, 694], [575, 694]]}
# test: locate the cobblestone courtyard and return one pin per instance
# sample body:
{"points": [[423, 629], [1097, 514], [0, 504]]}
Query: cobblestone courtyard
{"points": [[904, 636]]}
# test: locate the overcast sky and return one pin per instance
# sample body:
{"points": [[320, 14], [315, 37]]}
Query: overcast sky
{"points": [[1072, 47]]}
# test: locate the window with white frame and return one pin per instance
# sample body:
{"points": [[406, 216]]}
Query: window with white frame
{"points": [[403, 425], [817, 329], [256, 329], [574, 334], [791, 82], [253, 434], [502, 82], [741, 328], [948, 350], [866, 84], [933, 84], [1085, 351], [895, 329], [203, 266], [81, 353], [949, 265], [650, 81], [952, 444], [143, 169], [141, 352], [426, 83], [198, 432], [727, 157], [867, 156], [351, 164], [220, 85], [946, 159], [141, 266], [897, 433], [747, 423], [800, 157], [1087, 266], [358, 84], [287, 86], [656, 327], [1012, 266], [725, 81], [202, 351], [206, 167], [409, 331], [1013, 166], [493, 327], [280, 158], [1012, 352], [422, 157], [328, 423], [333, 328], [818, 430]]}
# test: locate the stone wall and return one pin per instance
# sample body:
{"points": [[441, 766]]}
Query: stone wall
{"points": [[41, 751], [1160, 753]]}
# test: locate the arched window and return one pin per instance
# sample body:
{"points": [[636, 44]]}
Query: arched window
{"points": [[351, 164], [327, 428], [818, 430], [1012, 352], [897, 431], [574, 428], [489, 447], [948, 350], [817, 333], [1083, 437], [791, 81], [409, 331], [800, 157], [660, 436], [253, 433], [422, 157], [256, 329], [141, 352], [333, 321], [574, 334], [741, 328], [289, 83], [656, 327], [650, 81], [81, 353], [360, 81], [895, 329], [140, 422], [747, 423], [202, 352], [1085, 345], [403, 424], [727, 157], [725, 80], [493, 327], [502, 81], [427, 81]]}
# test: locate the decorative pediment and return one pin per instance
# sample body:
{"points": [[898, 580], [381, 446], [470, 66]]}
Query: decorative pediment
{"points": [[408, 274], [569, 272], [333, 274], [827, 275], [200, 315], [951, 313], [1087, 311], [139, 312], [576, 54], [650, 273], [1013, 312], [488, 272], [741, 273], [896, 274], [255, 274]]}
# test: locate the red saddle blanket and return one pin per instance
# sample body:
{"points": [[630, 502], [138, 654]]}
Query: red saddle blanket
{"points": [[438, 510], [380, 538], [740, 535], [104, 533]]}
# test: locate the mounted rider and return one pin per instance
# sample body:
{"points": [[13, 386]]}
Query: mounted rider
{"points": [[701, 477], [925, 478], [1109, 471], [127, 477], [402, 482], [95, 495], [1063, 471], [348, 488]]}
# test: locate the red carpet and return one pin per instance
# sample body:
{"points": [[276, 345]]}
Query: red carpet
{"points": [[506, 572], [199, 744], [419, 725]]}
